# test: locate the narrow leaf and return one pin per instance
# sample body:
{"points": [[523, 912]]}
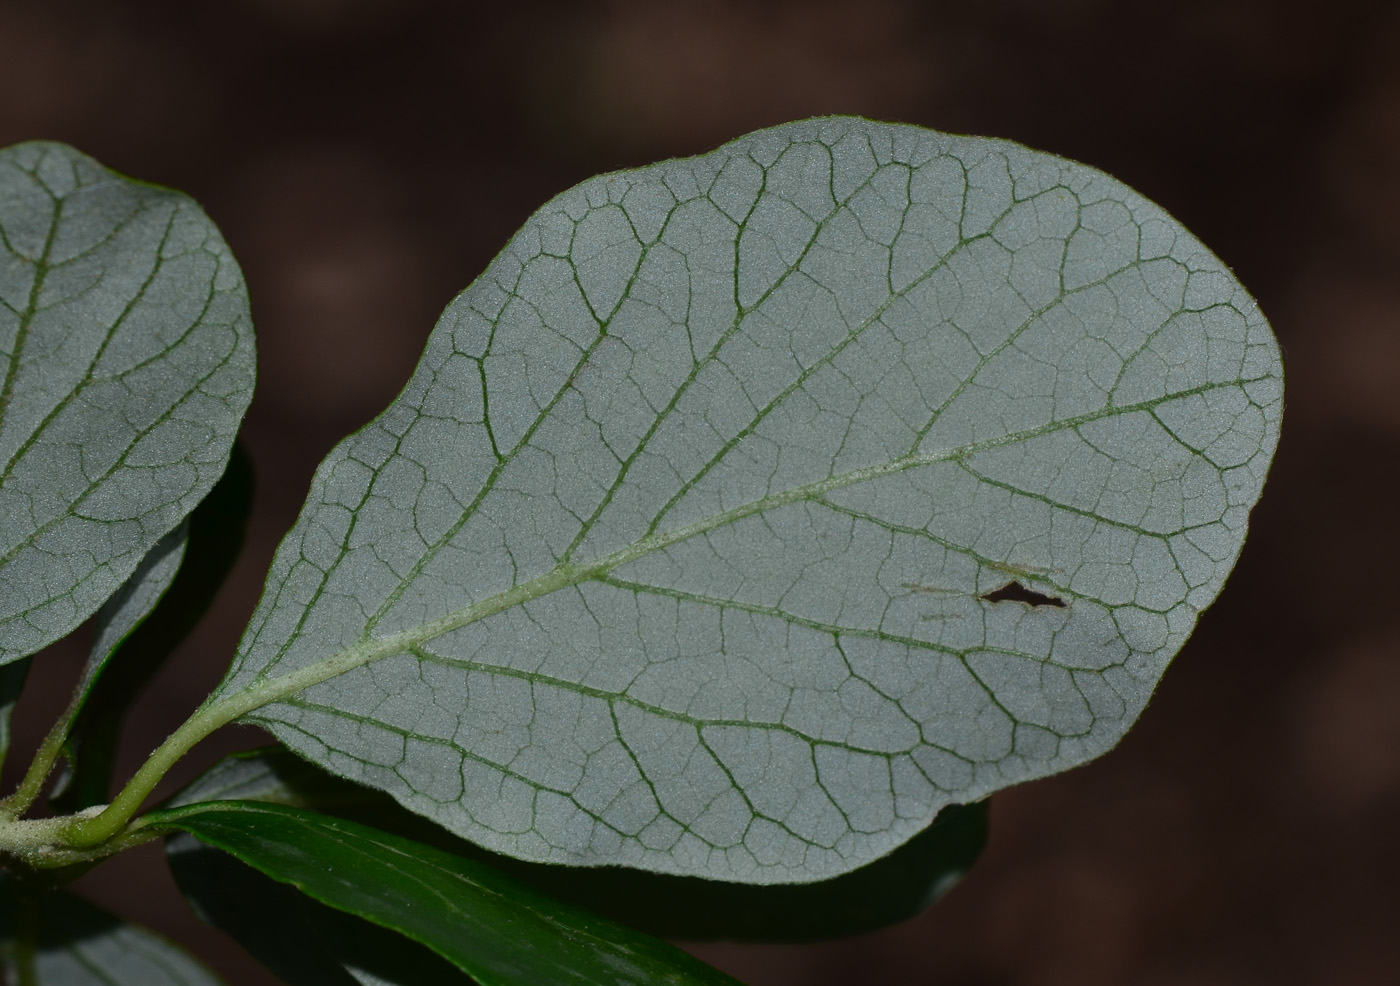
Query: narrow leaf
{"points": [[304, 942], [493, 927], [126, 363], [58, 939], [690, 544]]}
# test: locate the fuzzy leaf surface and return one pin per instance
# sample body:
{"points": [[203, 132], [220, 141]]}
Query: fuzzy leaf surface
{"points": [[126, 363], [139, 628], [890, 890], [125, 611], [114, 624], [751, 508]]}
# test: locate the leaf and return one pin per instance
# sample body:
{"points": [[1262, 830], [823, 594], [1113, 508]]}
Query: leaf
{"points": [[115, 622], [303, 942], [887, 891], [491, 926], [123, 613], [130, 649], [72, 943], [690, 544], [273, 775], [127, 359]]}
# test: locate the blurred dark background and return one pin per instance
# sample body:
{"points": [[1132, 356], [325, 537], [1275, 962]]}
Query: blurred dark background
{"points": [[366, 158]]}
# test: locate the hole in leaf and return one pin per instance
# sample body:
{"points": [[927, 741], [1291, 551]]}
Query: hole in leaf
{"points": [[1016, 592]]}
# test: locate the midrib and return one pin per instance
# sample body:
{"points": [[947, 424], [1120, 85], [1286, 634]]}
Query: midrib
{"points": [[565, 575]]}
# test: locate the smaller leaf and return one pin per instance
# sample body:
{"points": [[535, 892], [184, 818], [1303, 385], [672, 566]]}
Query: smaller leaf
{"points": [[305, 943], [492, 926], [141, 626], [58, 939], [118, 617], [115, 622], [126, 363], [128, 609]]}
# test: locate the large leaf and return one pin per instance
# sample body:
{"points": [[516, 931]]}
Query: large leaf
{"points": [[491, 926], [885, 892], [127, 359], [56, 939], [751, 508]]}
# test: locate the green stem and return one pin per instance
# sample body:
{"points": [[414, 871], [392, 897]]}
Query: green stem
{"points": [[91, 830], [44, 758], [84, 831]]}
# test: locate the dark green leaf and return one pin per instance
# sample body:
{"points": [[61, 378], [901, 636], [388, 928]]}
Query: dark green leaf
{"points": [[303, 941], [492, 926]]}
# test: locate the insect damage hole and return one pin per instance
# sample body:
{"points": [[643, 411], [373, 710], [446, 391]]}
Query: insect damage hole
{"points": [[1016, 592]]}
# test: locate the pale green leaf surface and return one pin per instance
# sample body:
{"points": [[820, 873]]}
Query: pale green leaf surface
{"points": [[133, 643], [115, 621], [125, 611], [272, 775], [674, 551], [127, 358], [888, 891], [72, 943]]}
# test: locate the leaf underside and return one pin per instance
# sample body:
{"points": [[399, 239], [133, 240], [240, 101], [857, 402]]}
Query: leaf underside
{"points": [[689, 544], [885, 892], [137, 630], [126, 363], [59, 939]]}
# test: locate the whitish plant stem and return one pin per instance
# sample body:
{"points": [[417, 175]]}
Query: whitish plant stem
{"points": [[83, 832], [89, 831]]}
